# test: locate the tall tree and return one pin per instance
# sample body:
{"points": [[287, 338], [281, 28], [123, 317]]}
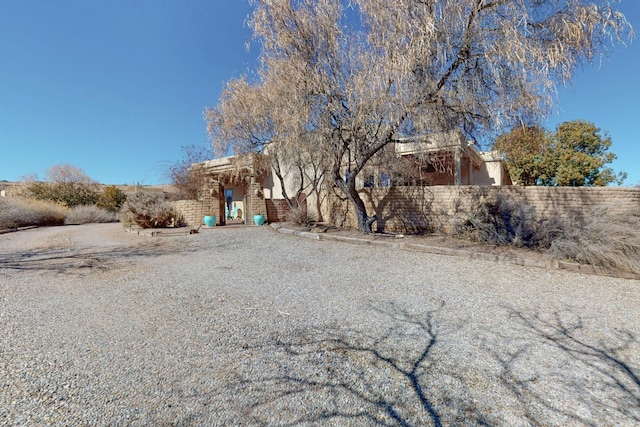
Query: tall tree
{"points": [[263, 118], [578, 156], [523, 149], [362, 74], [65, 184]]}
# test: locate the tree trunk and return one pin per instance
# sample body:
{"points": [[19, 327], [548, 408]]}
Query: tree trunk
{"points": [[365, 222]]}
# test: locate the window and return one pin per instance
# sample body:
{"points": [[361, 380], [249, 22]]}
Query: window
{"points": [[384, 180], [370, 181]]}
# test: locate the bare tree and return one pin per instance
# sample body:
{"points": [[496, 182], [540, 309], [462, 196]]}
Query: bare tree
{"points": [[261, 118], [186, 175], [66, 173], [360, 75]]}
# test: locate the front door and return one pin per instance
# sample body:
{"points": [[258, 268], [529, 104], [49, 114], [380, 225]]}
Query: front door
{"points": [[228, 199]]}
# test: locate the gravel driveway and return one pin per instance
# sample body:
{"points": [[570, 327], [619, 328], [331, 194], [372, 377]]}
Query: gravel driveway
{"points": [[247, 326]]}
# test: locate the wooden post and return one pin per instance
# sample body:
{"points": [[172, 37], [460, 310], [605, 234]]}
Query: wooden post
{"points": [[457, 162]]}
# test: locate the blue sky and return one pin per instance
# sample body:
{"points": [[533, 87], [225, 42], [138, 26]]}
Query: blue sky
{"points": [[116, 87]]}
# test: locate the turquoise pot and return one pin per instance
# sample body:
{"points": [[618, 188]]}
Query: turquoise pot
{"points": [[210, 221], [258, 219]]}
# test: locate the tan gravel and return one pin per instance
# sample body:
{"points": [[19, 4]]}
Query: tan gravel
{"points": [[248, 326]]}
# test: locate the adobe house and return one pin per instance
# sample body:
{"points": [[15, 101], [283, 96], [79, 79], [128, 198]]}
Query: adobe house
{"points": [[241, 187], [246, 185], [449, 159], [227, 188]]}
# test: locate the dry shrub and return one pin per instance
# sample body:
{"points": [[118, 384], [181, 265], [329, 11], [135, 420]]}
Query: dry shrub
{"points": [[299, 215], [89, 214], [496, 219], [150, 211], [604, 239], [22, 212], [186, 176]]}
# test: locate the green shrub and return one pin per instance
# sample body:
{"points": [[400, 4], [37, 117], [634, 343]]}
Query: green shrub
{"points": [[111, 199], [69, 194], [150, 211], [89, 214], [22, 212]]}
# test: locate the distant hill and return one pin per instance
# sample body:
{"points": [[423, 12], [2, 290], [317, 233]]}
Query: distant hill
{"points": [[8, 188], [160, 188]]}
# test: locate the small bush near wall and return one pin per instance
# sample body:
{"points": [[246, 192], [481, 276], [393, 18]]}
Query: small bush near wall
{"points": [[150, 211], [496, 218], [300, 215]]}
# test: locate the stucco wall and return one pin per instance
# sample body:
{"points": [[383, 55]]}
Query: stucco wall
{"points": [[414, 209]]}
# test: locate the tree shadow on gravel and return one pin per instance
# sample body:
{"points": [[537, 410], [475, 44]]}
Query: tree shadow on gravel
{"points": [[80, 262], [343, 376], [405, 369], [589, 381]]}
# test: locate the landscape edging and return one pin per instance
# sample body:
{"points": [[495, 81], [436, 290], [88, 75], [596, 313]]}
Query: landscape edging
{"points": [[416, 247]]}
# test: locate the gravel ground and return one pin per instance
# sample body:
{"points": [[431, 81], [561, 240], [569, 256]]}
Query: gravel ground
{"points": [[247, 326]]}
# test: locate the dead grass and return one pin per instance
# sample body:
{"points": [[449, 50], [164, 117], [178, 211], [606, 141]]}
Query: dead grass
{"points": [[22, 212], [607, 240], [299, 215], [498, 220], [89, 214], [149, 211]]}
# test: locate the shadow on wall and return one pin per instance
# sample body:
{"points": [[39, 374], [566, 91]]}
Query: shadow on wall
{"points": [[417, 209], [398, 209], [338, 209], [402, 209]]}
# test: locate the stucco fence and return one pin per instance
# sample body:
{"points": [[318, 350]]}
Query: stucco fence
{"points": [[418, 209]]}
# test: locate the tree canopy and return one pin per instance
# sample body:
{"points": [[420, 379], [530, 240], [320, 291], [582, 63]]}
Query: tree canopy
{"points": [[523, 149], [576, 154], [350, 79], [66, 184]]}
